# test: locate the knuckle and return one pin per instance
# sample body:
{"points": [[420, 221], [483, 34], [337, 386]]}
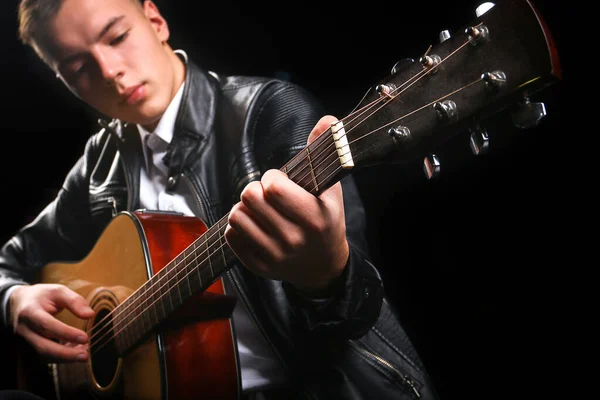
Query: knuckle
{"points": [[295, 241], [234, 217], [44, 326], [58, 290], [251, 193], [274, 189], [317, 225]]}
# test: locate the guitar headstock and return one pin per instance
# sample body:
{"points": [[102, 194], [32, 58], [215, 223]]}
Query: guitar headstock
{"points": [[494, 63]]}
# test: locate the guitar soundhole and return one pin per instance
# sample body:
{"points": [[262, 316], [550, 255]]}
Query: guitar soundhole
{"points": [[105, 360]]}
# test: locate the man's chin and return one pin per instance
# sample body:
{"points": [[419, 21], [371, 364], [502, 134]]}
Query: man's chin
{"points": [[143, 117]]}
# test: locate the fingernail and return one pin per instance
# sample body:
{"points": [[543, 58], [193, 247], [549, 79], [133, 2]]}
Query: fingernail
{"points": [[81, 339], [82, 356]]}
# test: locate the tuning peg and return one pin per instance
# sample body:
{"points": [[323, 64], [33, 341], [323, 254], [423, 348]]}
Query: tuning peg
{"points": [[483, 8], [402, 64], [479, 141], [431, 166], [528, 114], [444, 35]]}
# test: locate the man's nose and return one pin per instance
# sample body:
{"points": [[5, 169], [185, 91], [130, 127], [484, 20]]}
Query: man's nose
{"points": [[109, 66]]}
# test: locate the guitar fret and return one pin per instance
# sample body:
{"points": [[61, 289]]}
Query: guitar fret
{"points": [[175, 279], [116, 328], [208, 256], [180, 277], [189, 265], [140, 308], [169, 286], [160, 294], [196, 256], [214, 245], [133, 322], [222, 241], [312, 171]]}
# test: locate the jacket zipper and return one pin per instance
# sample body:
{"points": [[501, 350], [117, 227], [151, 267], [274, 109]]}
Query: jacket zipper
{"points": [[106, 202], [405, 378]]}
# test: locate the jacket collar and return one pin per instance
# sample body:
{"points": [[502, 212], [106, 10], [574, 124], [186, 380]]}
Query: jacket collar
{"points": [[198, 106], [194, 123]]}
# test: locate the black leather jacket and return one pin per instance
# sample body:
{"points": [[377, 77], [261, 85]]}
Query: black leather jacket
{"points": [[229, 130]]}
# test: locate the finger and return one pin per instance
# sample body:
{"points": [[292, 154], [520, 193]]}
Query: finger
{"points": [[50, 327], [322, 125], [245, 252], [289, 199], [51, 350], [275, 224], [74, 302], [252, 233]]}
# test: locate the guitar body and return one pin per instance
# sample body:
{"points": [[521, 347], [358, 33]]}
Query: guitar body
{"points": [[190, 354]]}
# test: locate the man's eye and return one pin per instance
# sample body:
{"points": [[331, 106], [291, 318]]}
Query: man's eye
{"points": [[79, 70], [119, 39]]}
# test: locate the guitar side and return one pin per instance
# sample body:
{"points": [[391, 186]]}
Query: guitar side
{"points": [[193, 355]]}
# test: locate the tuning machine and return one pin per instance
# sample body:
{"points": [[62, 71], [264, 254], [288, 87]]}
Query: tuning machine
{"points": [[444, 35], [479, 140], [402, 65], [528, 114], [431, 166]]}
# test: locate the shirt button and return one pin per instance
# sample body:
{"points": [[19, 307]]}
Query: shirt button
{"points": [[172, 182]]}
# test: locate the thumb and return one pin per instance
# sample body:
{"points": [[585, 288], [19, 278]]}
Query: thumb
{"points": [[321, 126]]}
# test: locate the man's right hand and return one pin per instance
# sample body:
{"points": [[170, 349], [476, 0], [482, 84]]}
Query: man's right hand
{"points": [[32, 311]]}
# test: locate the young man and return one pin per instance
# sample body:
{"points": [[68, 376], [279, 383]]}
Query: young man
{"points": [[177, 138]]}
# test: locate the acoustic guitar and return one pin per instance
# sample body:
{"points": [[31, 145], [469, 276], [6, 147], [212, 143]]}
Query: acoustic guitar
{"points": [[162, 327]]}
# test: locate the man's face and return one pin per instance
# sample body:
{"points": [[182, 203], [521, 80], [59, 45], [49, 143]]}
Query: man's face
{"points": [[113, 54]]}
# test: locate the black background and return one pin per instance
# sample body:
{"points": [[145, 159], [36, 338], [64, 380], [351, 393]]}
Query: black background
{"points": [[466, 258]]}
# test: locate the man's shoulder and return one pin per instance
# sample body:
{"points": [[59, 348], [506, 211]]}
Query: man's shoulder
{"points": [[237, 82]]}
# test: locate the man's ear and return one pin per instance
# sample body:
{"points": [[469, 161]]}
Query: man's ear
{"points": [[157, 21]]}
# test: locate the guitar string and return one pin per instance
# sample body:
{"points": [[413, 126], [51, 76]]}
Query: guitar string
{"points": [[391, 98]]}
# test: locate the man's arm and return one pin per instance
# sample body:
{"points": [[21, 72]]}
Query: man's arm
{"points": [[28, 308], [347, 300]]}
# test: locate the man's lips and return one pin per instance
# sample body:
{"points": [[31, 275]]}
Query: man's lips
{"points": [[134, 94]]}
